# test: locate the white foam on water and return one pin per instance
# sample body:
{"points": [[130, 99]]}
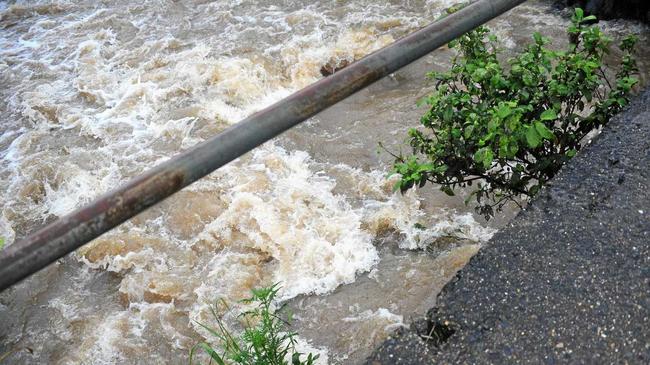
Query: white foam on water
{"points": [[103, 348], [78, 187], [384, 209], [314, 235], [382, 314], [6, 231]]}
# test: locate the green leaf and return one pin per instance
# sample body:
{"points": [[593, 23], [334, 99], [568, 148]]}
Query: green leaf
{"points": [[425, 167], [513, 148], [548, 114], [447, 190], [479, 155], [503, 111], [2, 243], [493, 125], [441, 169], [448, 114], [484, 156], [532, 137], [524, 94], [538, 38], [503, 147], [579, 13], [512, 124], [468, 131], [543, 131], [528, 79], [534, 190], [479, 74], [487, 161]]}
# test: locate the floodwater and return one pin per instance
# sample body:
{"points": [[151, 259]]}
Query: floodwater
{"points": [[95, 92]]}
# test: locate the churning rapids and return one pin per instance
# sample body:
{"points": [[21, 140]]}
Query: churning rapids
{"points": [[95, 92]]}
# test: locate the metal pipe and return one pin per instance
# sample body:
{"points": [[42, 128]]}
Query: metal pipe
{"points": [[68, 233]]}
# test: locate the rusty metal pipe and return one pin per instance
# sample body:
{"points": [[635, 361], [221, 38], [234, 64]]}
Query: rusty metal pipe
{"points": [[68, 233]]}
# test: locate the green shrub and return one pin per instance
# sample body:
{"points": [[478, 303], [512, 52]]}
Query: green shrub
{"points": [[510, 129], [264, 341]]}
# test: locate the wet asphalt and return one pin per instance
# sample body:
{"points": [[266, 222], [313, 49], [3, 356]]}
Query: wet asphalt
{"points": [[567, 281]]}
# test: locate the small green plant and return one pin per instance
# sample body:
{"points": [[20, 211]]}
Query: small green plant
{"points": [[264, 341], [2, 243], [510, 129]]}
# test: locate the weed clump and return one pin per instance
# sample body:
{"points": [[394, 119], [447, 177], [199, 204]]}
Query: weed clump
{"points": [[264, 341], [509, 130]]}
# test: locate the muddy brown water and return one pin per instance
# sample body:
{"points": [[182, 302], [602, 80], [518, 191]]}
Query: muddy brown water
{"points": [[95, 92]]}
